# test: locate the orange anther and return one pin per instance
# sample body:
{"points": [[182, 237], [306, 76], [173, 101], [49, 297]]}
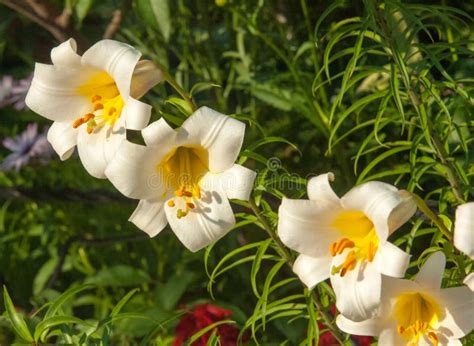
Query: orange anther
{"points": [[187, 193], [344, 244], [179, 193], [96, 98], [349, 263], [88, 117], [190, 205], [98, 106], [112, 110], [90, 130], [400, 329], [433, 338], [77, 123], [332, 249]]}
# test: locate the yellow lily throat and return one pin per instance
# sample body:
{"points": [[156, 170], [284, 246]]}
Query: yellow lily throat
{"points": [[417, 315], [107, 104], [358, 234], [182, 169]]}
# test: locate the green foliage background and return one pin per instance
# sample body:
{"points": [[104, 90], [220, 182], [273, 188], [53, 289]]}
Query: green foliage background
{"points": [[370, 90]]}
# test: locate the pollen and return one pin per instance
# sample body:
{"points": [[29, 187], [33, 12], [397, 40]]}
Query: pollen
{"points": [[171, 203]]}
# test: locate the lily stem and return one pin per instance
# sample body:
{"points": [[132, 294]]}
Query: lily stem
{"points": [[171, 81], [432, 216], [286, 254]]}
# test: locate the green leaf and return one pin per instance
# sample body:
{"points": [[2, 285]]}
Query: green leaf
{"points": [[119, 276], [161, 10], [181, 105], [17, 321], [58, 302], [46, 324], [169, 294], [202, 332], [199, 87], [43, 275], [117, 308], [82, 8]]}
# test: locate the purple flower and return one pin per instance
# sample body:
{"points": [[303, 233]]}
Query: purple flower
{"points": [[13, 92], [26, 146]]}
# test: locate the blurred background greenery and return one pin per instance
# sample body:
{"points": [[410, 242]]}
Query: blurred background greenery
{"points": [[311, 72]]}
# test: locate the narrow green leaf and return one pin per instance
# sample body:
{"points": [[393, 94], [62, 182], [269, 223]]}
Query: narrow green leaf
{"points": [[161, 10], [68, 294], [117, 308], [17, 321]]}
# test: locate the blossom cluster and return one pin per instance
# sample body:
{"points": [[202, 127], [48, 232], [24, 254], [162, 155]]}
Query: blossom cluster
{"points": [[185, 177]]}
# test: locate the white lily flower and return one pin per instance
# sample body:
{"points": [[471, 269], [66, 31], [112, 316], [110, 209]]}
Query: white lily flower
{"points": [[419, 312], [464, 229], [92, 99], [346, 239], [185, 177]]}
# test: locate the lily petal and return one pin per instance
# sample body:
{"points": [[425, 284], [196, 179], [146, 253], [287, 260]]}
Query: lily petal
{"points": [[358, 292], [431, 273], [390, 337], [391, 260], [305, 226], [369, 326], [136, 114], [469, 281], [311, 270], [236, 182], [221, 135], [210, 220], [133, 171], [65, 54], [149, 216], [145, 76], [63, 139], [464, 229], [319, 188], [158, 133], [117, 59], [96, 150], [384, 205], [53, 95], [459, 311]]}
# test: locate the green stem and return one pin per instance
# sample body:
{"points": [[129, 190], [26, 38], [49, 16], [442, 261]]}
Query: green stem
{"points": [[432, 216], [451, 175], [171, 81], [286, 254]]}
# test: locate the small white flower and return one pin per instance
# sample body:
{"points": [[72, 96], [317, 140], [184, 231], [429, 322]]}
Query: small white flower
{"points": [[346, 239], [464, 229], [92, 99], [185, 177], [419, 312]]}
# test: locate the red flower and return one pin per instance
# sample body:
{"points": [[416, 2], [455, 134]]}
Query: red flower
{"points": [[200, 317]]}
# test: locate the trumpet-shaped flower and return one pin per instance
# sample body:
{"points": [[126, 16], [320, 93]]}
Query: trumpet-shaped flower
{"points": [[419, 312], [464, 229], [345, 239], [92, 99], [184, 177]]}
